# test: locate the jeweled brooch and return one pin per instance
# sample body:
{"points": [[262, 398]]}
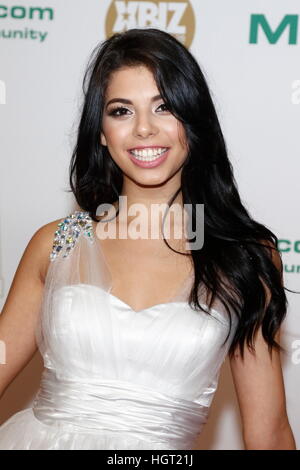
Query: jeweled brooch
{"points": [[74, 225]]}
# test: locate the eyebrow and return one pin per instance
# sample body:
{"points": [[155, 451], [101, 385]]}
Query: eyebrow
{"points": [[125, 101]]}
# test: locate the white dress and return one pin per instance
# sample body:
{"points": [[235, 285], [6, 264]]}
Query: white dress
{"points": [[115, 378]]}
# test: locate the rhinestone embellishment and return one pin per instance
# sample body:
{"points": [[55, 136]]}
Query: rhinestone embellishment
{"points": [[74, 225]]}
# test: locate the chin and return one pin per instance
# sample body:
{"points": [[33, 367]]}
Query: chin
{"points": [[159, 178]]}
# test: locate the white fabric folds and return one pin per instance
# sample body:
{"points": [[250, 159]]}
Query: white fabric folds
{"points": [[115, 378]]}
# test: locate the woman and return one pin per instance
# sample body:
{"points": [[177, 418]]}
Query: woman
{"points": [[133, 331]]}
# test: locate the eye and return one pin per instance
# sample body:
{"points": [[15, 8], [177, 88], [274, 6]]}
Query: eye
{"points": [[121, 110], [166, 107], [115, 111]]}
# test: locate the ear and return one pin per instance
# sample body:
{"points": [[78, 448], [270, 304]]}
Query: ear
{"points": [[103, 139]]}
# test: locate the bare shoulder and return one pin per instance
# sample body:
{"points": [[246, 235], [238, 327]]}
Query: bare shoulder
{"points": [[21, 310], [41, 243]]}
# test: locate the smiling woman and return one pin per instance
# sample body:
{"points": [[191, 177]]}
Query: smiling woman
{"points": [[134, 331], [144, 130]]}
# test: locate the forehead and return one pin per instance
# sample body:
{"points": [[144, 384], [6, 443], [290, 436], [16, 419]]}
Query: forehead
{"points": [[133, 78]]}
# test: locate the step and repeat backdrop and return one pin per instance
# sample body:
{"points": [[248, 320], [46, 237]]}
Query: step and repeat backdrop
{"points": [[249, 53]]}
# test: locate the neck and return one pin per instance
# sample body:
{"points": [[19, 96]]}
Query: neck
{"points": [[150, 204]]}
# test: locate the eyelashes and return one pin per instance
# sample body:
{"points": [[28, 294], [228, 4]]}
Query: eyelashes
{"points": [[117, 109]]}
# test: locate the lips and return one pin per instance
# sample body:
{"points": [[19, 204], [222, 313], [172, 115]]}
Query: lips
{"points": [[149, 163]]}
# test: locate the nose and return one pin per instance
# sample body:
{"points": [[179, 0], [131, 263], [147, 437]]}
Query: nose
{"points": [[144, 125]]}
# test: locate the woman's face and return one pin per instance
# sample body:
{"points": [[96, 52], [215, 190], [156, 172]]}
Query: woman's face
{"points": [[138, 121]]}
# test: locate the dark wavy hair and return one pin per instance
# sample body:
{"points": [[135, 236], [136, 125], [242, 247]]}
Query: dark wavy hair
{"points": [[236, 262]]}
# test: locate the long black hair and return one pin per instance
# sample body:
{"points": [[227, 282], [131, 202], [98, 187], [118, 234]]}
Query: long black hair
{"points": [[236, 263]]}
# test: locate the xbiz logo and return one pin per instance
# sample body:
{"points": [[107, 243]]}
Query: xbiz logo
{"points": [[176, 18], [288, 23]]}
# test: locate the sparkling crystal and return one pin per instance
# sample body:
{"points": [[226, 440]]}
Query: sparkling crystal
{"points": [[73, 226]]}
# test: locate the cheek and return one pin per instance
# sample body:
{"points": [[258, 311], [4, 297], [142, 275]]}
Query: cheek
{"points": [[182, 139], [176, 133], [115, 134]]}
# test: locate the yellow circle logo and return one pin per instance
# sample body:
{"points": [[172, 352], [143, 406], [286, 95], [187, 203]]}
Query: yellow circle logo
{"points": [[176, 18]]}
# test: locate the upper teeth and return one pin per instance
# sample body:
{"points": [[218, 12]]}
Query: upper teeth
{"points": [[148, 152]]}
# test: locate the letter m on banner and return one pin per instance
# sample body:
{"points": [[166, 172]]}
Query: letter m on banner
{"points": [[288, 21]]}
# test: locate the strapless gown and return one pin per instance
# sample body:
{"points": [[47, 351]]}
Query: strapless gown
{"points": [[116, 378]]}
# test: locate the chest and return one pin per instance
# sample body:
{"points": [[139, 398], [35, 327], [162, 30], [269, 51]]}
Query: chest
{"points": [[145, 272]]}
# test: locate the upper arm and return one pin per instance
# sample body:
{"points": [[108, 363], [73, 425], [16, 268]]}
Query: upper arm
{"points": [[19, 316], [259, 383]]}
